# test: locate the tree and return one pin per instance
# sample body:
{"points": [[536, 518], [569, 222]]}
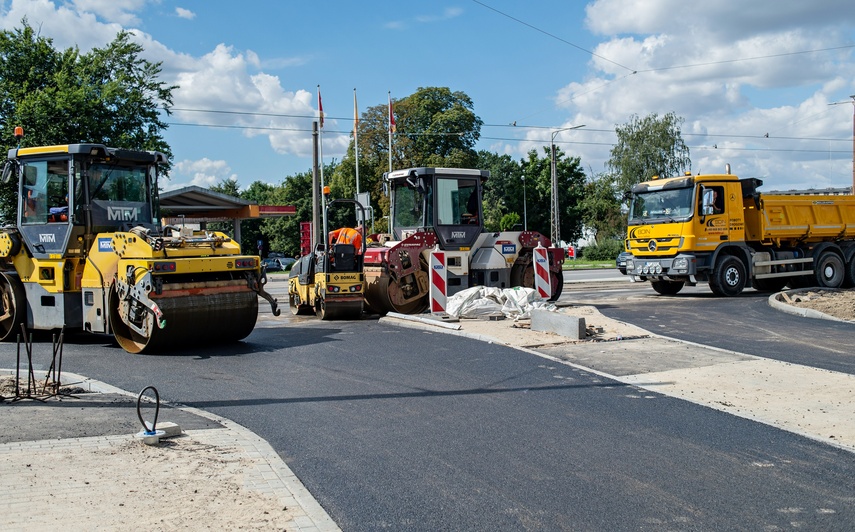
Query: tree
{"points": [[647, 147], [571, 189], [503, 192], [283, 233], [440, 127], [434, 127], [108, 96], [601, 208]]}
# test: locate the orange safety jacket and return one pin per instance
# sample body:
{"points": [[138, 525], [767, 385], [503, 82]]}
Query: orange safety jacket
{"points": [[347, 235]]}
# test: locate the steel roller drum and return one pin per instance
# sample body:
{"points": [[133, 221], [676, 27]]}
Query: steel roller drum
{"points": [[191, 320], [339, 310], [383, 295]]}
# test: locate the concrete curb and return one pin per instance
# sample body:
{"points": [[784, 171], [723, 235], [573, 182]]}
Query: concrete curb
{"points": [[777, 302]]}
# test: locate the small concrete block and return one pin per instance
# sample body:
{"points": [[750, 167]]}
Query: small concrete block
{"points": [[169, 428], [558, 323]]}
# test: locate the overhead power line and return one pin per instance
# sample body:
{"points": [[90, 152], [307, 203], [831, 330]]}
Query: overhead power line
{"points": [[755, 58], [557, 38]]}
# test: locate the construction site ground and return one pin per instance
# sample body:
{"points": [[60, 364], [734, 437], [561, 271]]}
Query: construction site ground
{"points": [[72, 457]]}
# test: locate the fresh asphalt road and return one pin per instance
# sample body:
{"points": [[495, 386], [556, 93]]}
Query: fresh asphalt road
{"points": [[408, 430], [747, 323]]}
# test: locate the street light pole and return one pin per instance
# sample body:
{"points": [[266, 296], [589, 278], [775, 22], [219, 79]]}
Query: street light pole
{"points": [[525, 212], [555, 232], [853, 138], [853, 143]]}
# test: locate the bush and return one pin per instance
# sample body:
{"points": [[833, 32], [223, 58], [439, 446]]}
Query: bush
{"points": [[608, 250]]}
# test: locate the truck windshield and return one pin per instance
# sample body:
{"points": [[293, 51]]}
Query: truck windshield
{"points": [[669, 205]]}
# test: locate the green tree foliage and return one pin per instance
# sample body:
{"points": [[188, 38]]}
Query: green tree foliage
{"points": [[440, 128], [601, 208], [571, 188], [647, 147], [503, 192], [109, 95], [284, 233], [510, 222], [606, 250]]}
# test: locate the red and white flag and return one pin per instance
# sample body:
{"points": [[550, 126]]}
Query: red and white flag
{"points": [[320, 108], [392, 126]]}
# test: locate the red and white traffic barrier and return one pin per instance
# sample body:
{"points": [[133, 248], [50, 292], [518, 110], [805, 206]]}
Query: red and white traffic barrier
{"points": [[438, 281], [541, 272]]}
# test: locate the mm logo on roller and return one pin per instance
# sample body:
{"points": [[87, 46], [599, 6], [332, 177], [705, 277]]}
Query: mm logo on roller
{"points": [[127, 214]]}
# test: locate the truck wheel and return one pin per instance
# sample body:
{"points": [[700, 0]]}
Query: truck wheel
{"points": [[667, 288], [849, 273], [729, 278], [828, 270]]}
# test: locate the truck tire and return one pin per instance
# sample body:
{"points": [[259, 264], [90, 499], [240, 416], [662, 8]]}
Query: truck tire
{"points": [[849, 273], [667, 288], [728, 279], [828, 270]]}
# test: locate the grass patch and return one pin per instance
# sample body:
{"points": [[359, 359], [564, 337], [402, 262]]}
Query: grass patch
{"points": [[582, 264]]}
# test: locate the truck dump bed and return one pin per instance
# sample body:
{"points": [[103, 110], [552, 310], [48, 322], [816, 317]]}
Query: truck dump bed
{"points": [[799, 218]]}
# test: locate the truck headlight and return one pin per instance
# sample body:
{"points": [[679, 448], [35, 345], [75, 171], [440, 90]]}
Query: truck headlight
{"points": [[681, 264]]}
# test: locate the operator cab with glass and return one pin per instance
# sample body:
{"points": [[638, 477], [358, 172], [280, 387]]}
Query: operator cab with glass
{"points": [[82, 189], [443, 199]]}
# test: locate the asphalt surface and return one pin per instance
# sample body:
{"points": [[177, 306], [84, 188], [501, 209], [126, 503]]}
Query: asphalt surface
{"points": [[419, 430], [747, 324]]}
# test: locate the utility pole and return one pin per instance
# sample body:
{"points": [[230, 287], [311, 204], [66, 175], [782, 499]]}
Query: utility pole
{"points": [[315, 184], [853, 139], [525, 210]]}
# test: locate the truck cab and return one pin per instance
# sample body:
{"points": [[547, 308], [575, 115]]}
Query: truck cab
{"points": [[678, 226], [722, 230]]}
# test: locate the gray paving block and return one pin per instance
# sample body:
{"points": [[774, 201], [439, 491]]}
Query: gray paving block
{"points": [[558, 323]]}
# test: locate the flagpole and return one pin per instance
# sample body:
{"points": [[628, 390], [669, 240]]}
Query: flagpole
{"points": [[321, 122], [391, 123], [356, 139]]}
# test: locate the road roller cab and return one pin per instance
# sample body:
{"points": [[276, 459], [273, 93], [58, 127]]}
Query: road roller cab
{"points": [[87, 252]]}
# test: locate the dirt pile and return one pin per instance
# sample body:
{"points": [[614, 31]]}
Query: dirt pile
{"points": [[837, 303]]}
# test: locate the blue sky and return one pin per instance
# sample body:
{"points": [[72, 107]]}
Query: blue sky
{"points": [[734, 71]]}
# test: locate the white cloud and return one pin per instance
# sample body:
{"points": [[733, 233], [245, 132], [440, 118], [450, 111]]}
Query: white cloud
{"points": [[447, 14], [224, 78], [202, 173], [65, 26], [118, 11], [749, 78], [185, 13]]}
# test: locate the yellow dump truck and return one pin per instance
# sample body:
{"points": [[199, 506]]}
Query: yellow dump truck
{"points": [[720, 229], [87, 252]]}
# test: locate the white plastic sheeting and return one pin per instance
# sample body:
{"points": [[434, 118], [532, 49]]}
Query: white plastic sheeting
{"points": [[483, 302]]}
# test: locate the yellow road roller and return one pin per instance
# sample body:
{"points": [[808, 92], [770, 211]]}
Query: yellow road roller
{"points": [[87, 252]]}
